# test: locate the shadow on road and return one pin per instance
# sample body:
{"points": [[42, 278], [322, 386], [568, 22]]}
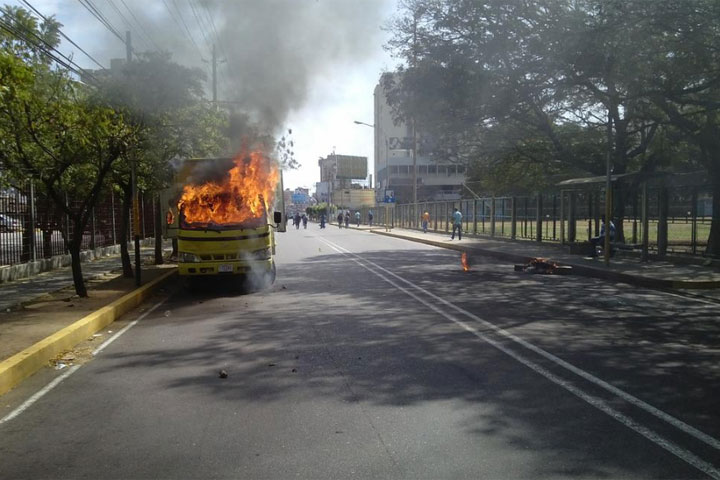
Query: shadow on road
{"points": [[330, 329]]}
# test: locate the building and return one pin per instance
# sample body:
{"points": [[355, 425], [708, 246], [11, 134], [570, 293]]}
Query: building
{"points": [[437, 178], [337, 173]]}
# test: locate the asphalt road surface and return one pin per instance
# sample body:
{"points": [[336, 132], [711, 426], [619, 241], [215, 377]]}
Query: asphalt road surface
{"points": [[373, 357]]}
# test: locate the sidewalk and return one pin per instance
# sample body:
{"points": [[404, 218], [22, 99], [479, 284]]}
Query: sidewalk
{"points": [[41, 317], [663, 274]]}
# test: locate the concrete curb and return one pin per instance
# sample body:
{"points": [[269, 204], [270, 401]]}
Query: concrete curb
{"points": [[23, 364], [578, 269]]}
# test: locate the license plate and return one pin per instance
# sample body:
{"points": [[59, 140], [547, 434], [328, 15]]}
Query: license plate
{"points": [[225, 268]]}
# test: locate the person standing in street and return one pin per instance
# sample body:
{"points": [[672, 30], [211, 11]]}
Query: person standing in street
{"points": [[347, 219], [457, 224], [370, 217], [357, 218], [425, 221], [340, 219]]}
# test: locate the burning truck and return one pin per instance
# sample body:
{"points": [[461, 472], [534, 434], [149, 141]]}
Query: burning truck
{"points": [[224, 213]]}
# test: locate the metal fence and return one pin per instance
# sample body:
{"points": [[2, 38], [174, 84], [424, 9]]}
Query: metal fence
{"points": [[32, 227], [677, 219]]}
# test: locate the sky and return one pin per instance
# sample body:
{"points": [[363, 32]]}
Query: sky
{"points": [[306, 65]]}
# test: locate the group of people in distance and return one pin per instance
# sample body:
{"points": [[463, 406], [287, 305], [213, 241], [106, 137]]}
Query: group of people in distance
{"points": [[344, 217], [298, 219]]}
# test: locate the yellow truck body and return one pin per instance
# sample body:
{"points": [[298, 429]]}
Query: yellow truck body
{"points": [[246, 249]]}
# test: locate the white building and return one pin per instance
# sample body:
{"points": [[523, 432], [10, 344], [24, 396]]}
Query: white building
{"points": [[437, 178]]}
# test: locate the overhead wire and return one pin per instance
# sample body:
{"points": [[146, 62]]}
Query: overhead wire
{"points": [[142, 27], [208, 41], [45, 48], [126, 22], [29, 5], [213, 32], [101, 18], [186, 27]]}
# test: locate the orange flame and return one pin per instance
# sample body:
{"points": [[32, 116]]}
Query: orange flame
{"points": [[243, 194], [464, 261]]}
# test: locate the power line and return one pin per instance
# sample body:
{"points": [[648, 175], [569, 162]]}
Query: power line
{"points": [[186, 27], [214, 31], [63, 35], [142, 27], [126, 22], [47, 50], [101, 18]]}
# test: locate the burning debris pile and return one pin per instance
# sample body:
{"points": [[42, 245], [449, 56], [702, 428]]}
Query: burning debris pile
{"points": [[239, 195], [543, 266]]}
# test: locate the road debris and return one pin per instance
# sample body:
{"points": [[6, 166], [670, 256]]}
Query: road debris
{"points": [[544, 266], [222, 374], [167, 313]]}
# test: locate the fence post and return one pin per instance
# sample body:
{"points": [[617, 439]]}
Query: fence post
{"points": [[513, 217], [538, 212], [562, 217], [475, 231], [112, 216], [590, 216], [435, 216], [142, 213], [66, 238], [482, 214], [572, 225], [33, 221], [663, 209], [92, 227], [492, 217], [694, 212], [554, 215], [645, 224]]}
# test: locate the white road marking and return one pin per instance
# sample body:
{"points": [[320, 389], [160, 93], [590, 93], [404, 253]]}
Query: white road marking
{"points": [[598, 403], [56, 381], [127, 327], [27, 403]]}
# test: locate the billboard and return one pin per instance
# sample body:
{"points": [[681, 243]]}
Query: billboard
{"points": [[300, 198], [351, 167]]}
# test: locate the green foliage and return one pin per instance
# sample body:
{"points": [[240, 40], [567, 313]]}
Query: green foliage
{"points": [[164, 101]]}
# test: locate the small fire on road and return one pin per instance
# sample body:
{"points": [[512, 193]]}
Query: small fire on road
{"points": [[465, 262]]}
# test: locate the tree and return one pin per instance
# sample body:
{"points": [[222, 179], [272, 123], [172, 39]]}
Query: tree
{"points": [[62, 139], [687, 92], [477, 68], [164, 101]]}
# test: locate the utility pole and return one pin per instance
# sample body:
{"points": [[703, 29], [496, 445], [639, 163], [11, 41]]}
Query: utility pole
{"points": [[414, 132], [214, 75], [133, 185], [608, 192]]}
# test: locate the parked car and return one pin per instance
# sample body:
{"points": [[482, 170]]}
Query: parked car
{"points": [[9, 224]]}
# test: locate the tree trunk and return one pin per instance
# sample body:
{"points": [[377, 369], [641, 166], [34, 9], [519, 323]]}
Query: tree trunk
{"points": [[78, 281], [159, 218], [713, 245], [125, 233]]}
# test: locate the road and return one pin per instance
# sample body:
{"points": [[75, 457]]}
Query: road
{"points": [[373, 357]]}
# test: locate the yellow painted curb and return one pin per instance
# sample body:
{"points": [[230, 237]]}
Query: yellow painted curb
{"points": [[23, 364]]}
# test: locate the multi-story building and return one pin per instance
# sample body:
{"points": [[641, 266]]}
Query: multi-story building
{"points": [[437, 178]]}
